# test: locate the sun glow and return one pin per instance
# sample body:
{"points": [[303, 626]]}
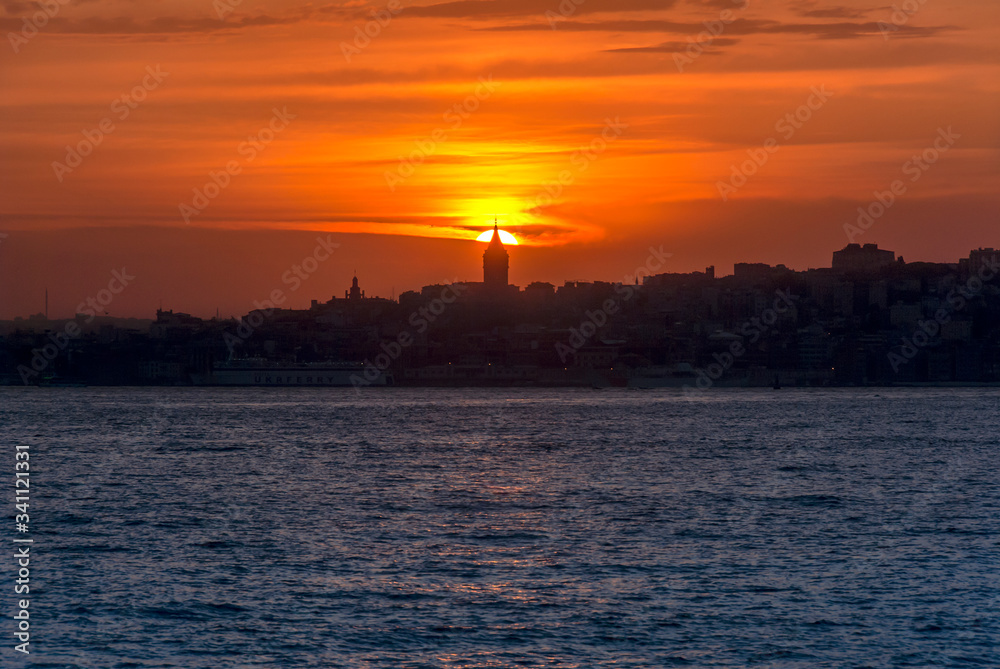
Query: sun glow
{"points": [[505, 237]]}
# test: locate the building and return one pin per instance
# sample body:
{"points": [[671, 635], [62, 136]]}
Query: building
{"points": [[752, 271], [857, 258], [496, 264], [354, 299], [979, 260]]}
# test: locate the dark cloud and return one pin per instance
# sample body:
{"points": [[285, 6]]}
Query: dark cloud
{"points": [[848, 30], [482, 9], [159, 25], [723, 4], [617, 25], [16, 7], [523, 230], [675, 46], [840, 30], [29, 7], [834, 13], [813, 9]]}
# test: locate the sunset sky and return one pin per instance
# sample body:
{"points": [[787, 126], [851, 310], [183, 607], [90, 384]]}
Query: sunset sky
{"points": [[403, 146]]}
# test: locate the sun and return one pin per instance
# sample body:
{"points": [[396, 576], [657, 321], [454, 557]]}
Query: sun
{"points": [[505, 237]]}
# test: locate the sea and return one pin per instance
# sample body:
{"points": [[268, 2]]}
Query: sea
{"points": [[485, 528]]}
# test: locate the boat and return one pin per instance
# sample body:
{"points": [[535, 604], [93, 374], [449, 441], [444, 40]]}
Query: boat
{"points": [[59, 382], [261, 372]]}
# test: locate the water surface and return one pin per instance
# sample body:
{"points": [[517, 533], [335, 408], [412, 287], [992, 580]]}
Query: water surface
{"points": [[210, 528]]}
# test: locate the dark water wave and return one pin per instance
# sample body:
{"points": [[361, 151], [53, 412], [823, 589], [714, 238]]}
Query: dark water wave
{"points": [[215, 528]]}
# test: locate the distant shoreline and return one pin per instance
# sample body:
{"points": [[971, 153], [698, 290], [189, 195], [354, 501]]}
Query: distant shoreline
{"points": [[691, 388]]}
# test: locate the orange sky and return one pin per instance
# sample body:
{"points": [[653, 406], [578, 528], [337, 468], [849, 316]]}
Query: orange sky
{"points": [[684, 109]]}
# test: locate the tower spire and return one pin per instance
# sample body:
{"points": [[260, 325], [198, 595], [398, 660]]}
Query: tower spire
{"points": [[496, 261]]}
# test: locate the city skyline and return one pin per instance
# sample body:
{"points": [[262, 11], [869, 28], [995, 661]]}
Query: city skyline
{"points": [[869, 319], [854, 256]]}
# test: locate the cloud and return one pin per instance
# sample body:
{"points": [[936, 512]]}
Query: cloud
{"points": [[483, 9], [723, 4], [174, 25], [840, 30], [16, 7], [673, 47], [810, 9], [834, 13], [158, 26]]}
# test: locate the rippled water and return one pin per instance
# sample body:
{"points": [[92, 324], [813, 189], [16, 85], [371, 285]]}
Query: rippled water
{"points": [[508, 528]]}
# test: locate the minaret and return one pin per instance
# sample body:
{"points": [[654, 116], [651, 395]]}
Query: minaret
{"points": [[496, 263], [355, 293]]}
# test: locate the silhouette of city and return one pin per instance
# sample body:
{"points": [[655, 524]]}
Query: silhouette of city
{"points": [[869, 319]]}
